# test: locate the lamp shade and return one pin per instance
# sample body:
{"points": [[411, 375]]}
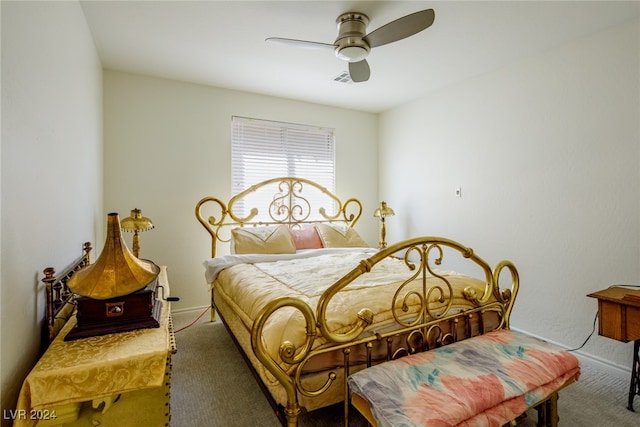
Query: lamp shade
{"points": [[116, 272], [136, 222], [383, 210]]}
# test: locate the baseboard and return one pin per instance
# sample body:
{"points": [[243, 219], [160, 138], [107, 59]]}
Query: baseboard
{"points": [[609, 368]]}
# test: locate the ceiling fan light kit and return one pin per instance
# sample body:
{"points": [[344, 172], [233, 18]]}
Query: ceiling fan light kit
{"points": [[352, 53], [353, 44], [350, 44]]}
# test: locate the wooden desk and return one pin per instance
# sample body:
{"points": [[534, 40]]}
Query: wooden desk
{"points": [[134, 365], [619, 319]]}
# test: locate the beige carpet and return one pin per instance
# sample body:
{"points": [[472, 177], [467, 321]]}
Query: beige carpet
{"points": [[212, 386]]}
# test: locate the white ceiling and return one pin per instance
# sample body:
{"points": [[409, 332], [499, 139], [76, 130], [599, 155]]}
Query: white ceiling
{"points": [[221, 43]]}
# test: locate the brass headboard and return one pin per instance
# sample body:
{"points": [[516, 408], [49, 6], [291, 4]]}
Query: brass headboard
{"points": [[60, 302], [289, 203]]}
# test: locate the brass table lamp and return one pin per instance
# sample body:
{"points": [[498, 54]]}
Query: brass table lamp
{"points": [[136, 223], [382, 212]]}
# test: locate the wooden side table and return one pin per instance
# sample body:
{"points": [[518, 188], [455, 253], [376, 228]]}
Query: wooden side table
{"points": [[619, 319]]}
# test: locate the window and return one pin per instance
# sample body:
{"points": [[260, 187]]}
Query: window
{"points": [[262, 149]]}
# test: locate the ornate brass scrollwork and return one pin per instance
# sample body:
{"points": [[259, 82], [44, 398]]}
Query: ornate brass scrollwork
{"points": [[289, 205]]}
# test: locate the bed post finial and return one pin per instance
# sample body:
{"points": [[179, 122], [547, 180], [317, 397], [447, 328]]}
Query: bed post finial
{"points": [[211, 224], [87, 249], [48, 279]]}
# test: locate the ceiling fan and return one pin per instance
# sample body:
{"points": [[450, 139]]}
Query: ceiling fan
{"points": [[353, 44]]}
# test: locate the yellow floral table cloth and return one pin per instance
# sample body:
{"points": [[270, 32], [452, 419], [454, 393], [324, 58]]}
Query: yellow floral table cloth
{"points": [[97, 367]]}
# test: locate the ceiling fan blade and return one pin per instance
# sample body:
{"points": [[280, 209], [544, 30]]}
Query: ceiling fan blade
{"points": [[301, 43], [401, 28], [359, 71]]}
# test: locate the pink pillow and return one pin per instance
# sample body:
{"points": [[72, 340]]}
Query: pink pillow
{"points": [[306, 238]]}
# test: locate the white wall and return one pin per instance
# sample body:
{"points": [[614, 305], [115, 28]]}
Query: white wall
{"points": [[546, 153], [51, 170], [167, 145]]}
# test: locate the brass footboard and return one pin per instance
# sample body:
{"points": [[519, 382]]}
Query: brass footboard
{"points": [[424, 315]]}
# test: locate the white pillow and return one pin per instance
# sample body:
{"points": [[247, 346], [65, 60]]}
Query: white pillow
{"points": [[263, 240]]}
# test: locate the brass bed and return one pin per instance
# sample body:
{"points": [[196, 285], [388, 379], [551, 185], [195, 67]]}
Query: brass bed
{"points": [[318, 314]]}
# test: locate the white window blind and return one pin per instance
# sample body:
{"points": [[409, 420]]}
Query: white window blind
{"points": [[262, 149]]}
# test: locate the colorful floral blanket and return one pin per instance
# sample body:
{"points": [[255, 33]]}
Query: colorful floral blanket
{"points": [[485, 381]]}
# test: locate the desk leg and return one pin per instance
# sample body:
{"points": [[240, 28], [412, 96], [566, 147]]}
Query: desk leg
{"points": [[634, 387]]}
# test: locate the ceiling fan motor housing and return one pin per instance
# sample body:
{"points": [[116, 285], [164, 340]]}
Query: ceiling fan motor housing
{"points": [[350, 44]]}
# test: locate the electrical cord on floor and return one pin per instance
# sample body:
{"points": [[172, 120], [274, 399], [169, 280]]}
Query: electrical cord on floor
{"points": [[194, 322], [593, 330]]}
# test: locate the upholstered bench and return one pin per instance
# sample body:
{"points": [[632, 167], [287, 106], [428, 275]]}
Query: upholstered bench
{"points": [[487, 380]]}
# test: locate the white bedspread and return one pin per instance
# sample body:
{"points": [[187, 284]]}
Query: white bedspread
{"points": [[213, 266]]}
